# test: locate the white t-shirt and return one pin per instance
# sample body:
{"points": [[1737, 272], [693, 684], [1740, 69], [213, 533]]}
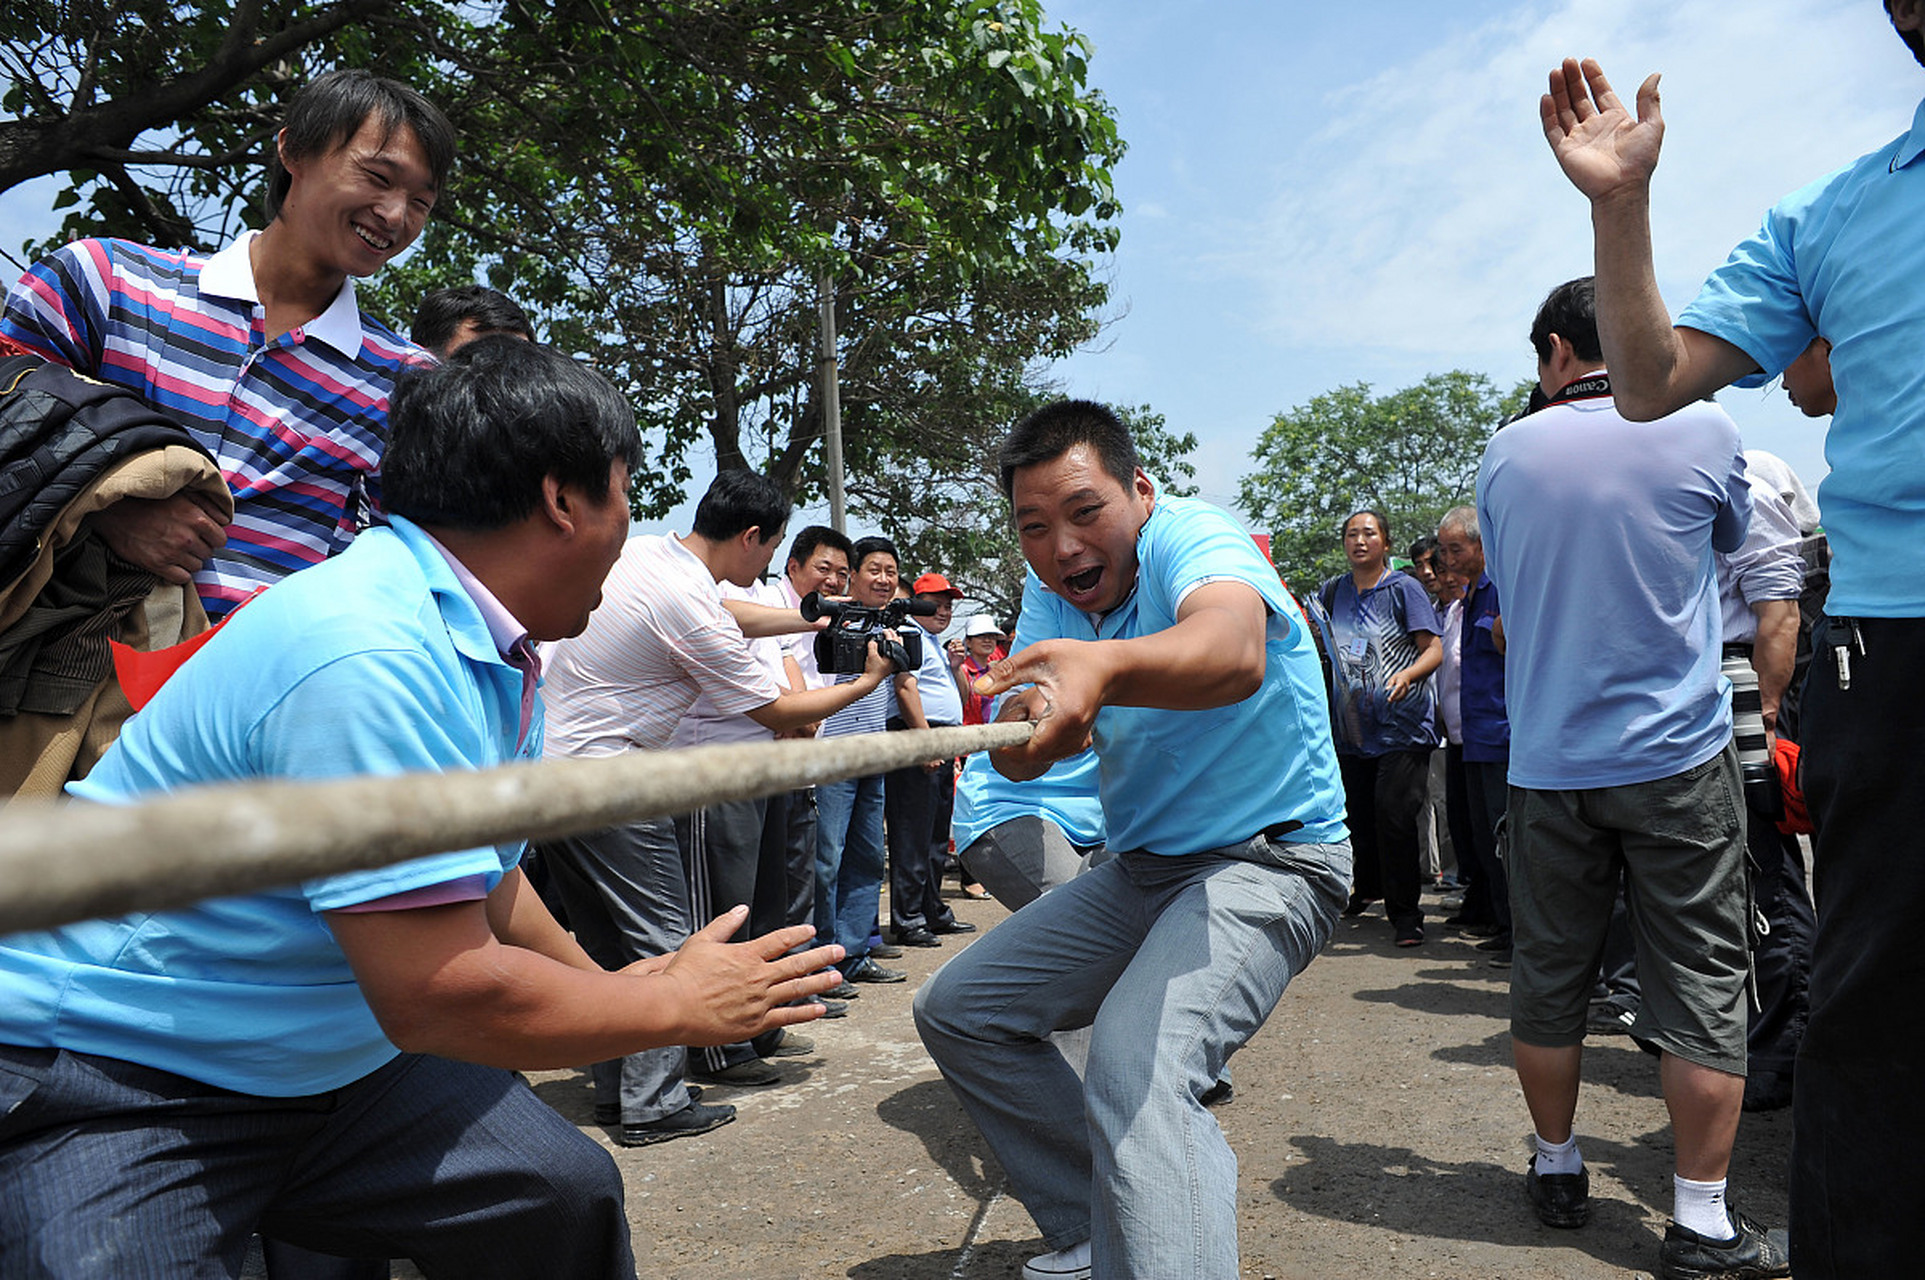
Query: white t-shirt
{"points": [[704, 724], [659, 640]]}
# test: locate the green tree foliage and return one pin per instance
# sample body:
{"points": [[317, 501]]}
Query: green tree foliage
{"points": [[665, 186], [1411, 454]]}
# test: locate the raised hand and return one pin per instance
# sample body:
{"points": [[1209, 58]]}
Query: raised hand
{"points": [[1601, 147]]}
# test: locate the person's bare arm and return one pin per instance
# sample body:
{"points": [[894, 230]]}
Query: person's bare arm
{"points": [[909, 702], [1430, 655], [1774, 653], [792, 675], [759, 621], [168, 537], [1609, 155], [1497, 632], [791, 710], [1213, 656], [441, 982], [519, 918]]}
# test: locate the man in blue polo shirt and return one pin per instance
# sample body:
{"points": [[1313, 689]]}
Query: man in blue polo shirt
{"points": [[1155, 626], [1841, 257], [325, 1062], [1599, 534]]}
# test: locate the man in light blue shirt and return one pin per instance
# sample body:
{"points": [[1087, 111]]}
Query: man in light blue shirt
{"points": [[1840, 258], [1154, 626], [162, 1072], [1600, 534]]}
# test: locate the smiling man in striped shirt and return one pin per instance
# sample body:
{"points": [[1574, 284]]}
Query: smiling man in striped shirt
{"points": [[260, 350]]}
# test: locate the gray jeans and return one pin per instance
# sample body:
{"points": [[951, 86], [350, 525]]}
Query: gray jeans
{"points": [[1175, 962]]}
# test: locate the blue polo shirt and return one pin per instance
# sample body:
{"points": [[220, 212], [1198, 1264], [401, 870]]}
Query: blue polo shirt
{"points": [[1066, 795], [1843, 258], [1480, 678], [1599, 533], [1180, 782], [373, 662]]}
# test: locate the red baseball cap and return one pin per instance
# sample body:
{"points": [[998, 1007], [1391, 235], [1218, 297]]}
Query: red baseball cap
{"points": [[934, 584]]}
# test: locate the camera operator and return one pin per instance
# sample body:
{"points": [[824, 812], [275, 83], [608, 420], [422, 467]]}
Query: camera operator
{"points": [[662, 636], [849, 850], [913, 797]]}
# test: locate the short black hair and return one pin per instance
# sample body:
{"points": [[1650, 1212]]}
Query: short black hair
{"points": [[333, 107], [470, 441], [816, 536], [738, 501], [1383, 522], [442, 311], [1914, 40], [1422, 549], [866, 547], [1056, 428], [1571, 312]]}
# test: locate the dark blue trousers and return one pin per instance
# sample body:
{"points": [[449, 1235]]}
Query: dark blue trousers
{"points": [[112, 1169]]}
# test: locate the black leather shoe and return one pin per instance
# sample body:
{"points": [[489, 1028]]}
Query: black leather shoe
{"points": [[1753, 1254], [832, 1008], [842, 993], [689, 1121], [916, 937], [793, 1044], [952, 926], [1561, 1199], [884, 951], [1357, 905], [870, 971], [610, 1114]]}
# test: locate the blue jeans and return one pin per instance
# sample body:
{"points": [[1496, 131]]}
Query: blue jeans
{"points": [[1174, 962], [848, 864]]}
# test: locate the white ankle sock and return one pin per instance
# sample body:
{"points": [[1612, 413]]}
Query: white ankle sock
{"points": [[1558, 1157], [1700, 1207]]}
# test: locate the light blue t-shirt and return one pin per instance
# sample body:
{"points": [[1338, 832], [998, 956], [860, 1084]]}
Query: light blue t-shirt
{"points": [[1599, 535], [375, 662], [1066, 795], [1180, 782], [1843, 258]]}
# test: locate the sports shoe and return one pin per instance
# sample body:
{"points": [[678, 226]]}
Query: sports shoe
{"points": [[752, 1074], [1065, 1264], [1561, 1199], [1753, 1254], [1608, 1018], [870, 971], [686, 1123], [791, 1045], [831, 1008], [610, 1113]]}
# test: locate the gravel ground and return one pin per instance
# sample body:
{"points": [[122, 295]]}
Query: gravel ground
{"points": [[1377, 1121]]}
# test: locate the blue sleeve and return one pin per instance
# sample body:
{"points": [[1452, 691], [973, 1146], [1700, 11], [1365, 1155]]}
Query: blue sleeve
{"points": [[1419, 613], [1040, 618], [59, 307], [1733, 521], [1198, 543], [378, 712], [1754, 301]]}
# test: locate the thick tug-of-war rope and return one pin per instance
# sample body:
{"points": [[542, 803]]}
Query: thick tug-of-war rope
{"points": [[63, 862]]}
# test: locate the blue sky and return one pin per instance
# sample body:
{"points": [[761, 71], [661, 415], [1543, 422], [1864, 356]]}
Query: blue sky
{"points": [[1317, 194]]}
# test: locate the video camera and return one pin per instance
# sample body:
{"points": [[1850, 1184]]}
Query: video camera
{"points": [[843, 648]]}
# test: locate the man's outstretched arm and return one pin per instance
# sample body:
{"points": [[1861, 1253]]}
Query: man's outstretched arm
{"points": [[1213, 656], [1609, 155]]}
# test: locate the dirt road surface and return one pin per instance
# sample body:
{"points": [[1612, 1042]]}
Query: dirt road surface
{"points": [[1377, 1122]]}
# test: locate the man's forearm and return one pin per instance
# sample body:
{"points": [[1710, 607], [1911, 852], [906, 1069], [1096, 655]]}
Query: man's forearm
{"points": [[1210, 658], [759, 621], [1641, 348], [1774, 653]]}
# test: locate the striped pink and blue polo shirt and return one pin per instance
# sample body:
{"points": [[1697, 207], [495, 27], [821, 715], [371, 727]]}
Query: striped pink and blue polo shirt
{"points": [[297, 425]]}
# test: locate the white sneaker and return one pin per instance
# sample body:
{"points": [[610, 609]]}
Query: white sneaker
{"points": [[1065, 1264]]}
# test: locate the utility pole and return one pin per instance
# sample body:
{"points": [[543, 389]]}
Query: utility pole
{"points": [[831, 401]]}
